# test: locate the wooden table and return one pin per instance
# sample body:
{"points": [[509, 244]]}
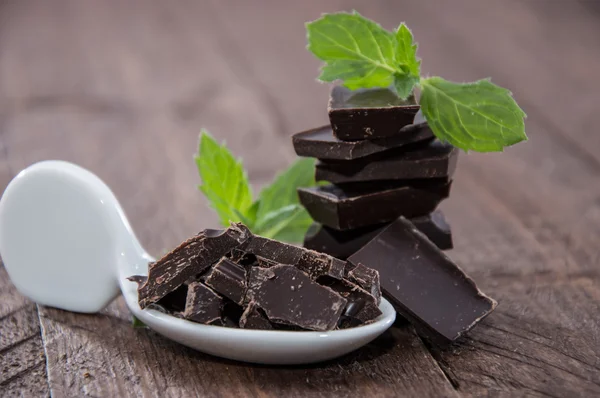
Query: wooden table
{"points": [[123, 88]]}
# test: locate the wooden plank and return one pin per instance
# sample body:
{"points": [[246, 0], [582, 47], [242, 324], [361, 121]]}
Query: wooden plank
{"points": [[22, 357], [140, 363]]}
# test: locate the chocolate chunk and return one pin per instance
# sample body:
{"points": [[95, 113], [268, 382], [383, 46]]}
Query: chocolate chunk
{"points": [[354, 206], [365, 277], [436, 228], [339, 244], [191, 258], [242, 258], [362, 307], [231, 314], [289, 296], [228, 279], [434, 160], [139, 279], [423, 284], [322, 144], [271, 252], [368, 113], [175, 301], [203, 305], [253, 318], [342, 244]]}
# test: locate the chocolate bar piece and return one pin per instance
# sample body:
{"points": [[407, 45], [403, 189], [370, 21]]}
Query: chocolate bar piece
{"points": [[289, 296], [228, 279], [365, 277], [322, 144], [434, 160], [203, 305], [252, 318], [361, 308], [339, 244], [423, 284], [342, 244], [271, 252], [191, 258], [354, 206], [436, 228], [368, 113]]}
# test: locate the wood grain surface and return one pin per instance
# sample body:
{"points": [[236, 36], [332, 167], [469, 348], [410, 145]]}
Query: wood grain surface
{"points": [[123, 87]]}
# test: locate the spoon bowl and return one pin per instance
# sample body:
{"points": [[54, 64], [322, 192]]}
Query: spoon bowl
{"points": [[66, 243]]}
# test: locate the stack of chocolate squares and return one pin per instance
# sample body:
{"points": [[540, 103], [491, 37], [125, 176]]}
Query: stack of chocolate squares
{"points": [[383, 162]]}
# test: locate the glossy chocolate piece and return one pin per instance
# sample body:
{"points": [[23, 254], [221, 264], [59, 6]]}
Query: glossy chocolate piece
{"points": [[367, 278], [175, 301], [361, 308], [432, 160], [322, 144], [270, 252], [355, 206], [436, 228], [253, 318], [368, 113], [189, 259], [343, 244], [203, 305], [289, 296], [423, 284], [228, 279]]}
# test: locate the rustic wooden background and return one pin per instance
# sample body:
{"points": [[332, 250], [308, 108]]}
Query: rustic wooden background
{"points": [[123, 88]]}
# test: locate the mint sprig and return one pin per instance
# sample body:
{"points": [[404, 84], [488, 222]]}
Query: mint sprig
{"points": [[277, 212], [478, 116]]}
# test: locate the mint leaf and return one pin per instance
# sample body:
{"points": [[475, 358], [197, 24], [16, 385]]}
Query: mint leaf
{"points": [[479, 116], [274, 211], [136, 323], [356, 50], [276, 214], [406, 51], [224, 181], [288, 223], [404, 85], [406, 57]]}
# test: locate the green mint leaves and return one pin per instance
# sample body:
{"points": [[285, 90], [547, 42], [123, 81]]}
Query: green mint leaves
{"points": [[478, 116], [276, 214], [224, 180], [362, 54]]}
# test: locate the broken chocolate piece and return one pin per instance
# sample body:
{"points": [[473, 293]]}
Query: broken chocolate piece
{"points": [[423, 284], [435, 160], [362, 306], [355, 206], [289, 296], [368, 113], [339, 244], [343, 244], [252, 318], [322, 144], [228, 279], [139, 279], [203, 305], [191, 258], [436, 228], [271, 252], [242, 258], [231, 314], [176, 300], [365, 277]]}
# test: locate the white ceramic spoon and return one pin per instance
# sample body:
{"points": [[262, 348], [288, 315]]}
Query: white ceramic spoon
{"points": [[66, 243]]}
